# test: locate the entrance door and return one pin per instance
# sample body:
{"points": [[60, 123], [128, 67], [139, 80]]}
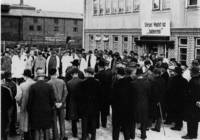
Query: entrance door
{"points": [[152, 48]]}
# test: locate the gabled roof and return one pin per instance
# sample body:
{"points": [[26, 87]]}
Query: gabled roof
{"points": [[40, 13]]}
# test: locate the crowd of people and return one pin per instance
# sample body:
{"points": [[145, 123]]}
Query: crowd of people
{"points": [[88, 87]]}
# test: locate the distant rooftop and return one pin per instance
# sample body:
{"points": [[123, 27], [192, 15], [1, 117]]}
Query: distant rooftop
{"points": [[28, 11]]}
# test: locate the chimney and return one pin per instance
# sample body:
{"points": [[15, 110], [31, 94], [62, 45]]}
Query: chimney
{"points": [[21, 2]]}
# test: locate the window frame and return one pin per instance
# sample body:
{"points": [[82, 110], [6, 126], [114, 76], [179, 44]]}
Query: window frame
{"points": [[168, 8], [159, 6], [108, 7], [189, 5], [196, 44], [114, 36], [116, 9], [135, 6], [121, 9], [31, 28], [97, 6], [39, 28], [75, 29], [196, 49], [180, 44], [56, 28], [127, 10], [180, 54]]}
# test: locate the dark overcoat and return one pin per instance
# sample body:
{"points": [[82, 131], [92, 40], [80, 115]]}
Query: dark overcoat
{"points": [[74, 89], [89, 98], [141, 87], [177, 89], [40, 105], [192, 112], [122, 103], [105, 80]]}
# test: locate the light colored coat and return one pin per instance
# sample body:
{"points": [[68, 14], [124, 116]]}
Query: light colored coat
{"points": [[22, 99]]}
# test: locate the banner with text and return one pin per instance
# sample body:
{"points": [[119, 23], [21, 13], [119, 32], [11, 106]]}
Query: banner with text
{"points": [[156, 28]]}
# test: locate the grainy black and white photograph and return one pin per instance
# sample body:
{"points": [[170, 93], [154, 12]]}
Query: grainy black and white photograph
{"points": [[100, 70]]}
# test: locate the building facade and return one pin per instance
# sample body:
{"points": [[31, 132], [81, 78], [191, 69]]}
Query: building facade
{"points": [[25, 25], [167, 27]]}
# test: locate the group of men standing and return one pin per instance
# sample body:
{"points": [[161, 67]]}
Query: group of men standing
{"points": [[137, 91]]}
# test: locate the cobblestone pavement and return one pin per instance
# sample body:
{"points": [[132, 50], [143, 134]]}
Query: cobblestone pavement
{"points": [[105, 134]]}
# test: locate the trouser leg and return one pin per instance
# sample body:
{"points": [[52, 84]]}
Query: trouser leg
{"points": [[61, 117], [103, 119], [97, 119], [74, 128], [132, 129], [46, 133], [158, 124], [93, 128], [116, 128], [55, 127], [13, 119], [192, 128], [179, 123], [143, 130], [84, 125], [126, 131], [36, 135]]}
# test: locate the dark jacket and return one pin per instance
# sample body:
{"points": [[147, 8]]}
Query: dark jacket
{"points": [[158, 88], [177, 89], [122, 103], [40, 105], [74, 89], [141, 87], [6, 105], [105, 80], [192, 112], [89, 97]]}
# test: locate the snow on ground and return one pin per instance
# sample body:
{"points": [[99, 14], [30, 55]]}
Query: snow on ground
{"points": [[106, 133]]}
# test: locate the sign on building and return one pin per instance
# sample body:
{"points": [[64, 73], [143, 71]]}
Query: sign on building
{"points": [[156, 28]]}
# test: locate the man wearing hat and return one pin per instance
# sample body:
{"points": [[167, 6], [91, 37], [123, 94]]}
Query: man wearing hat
{"points": [[105, 78], [22, 99], [192, 109], [89, 104], [6, 62], [91, 60], [74, 89], [40, 106], [177, 89], [122, 105]]}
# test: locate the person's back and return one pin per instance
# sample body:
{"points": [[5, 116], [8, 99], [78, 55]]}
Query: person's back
{"points": [[40, 105]]}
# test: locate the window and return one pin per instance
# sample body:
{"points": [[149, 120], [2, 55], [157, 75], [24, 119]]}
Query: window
{"points": [[128, 6], [183, 50], [31, 28], [91, 37], [75, 22], [114, 6], [136, 5], [183, 55], [101, 7], [39, 28], [166, 4], [115, 39], [35, 20], [183, 41], [125, 43], [156, 4], [108, 6], [95, 7], [56, 21], [75, 29], [197, 42], [121, 6], [134, 46], [192, 2], [197, 50], [56, 28]]}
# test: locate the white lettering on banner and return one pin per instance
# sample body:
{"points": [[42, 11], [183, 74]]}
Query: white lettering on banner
{"points": [[156, 28]]}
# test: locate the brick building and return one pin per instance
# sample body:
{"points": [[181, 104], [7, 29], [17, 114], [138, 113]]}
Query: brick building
{"points": [[24, 24], [169, 27]]}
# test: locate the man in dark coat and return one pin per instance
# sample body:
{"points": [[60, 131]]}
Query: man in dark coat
{"points": [[40, 106], [177, 89], [11, 84], [141, 87], [157, 96], [6, 105], [105, 78], [121, 105], [89, 104], [192, 110], [74, 89]]}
